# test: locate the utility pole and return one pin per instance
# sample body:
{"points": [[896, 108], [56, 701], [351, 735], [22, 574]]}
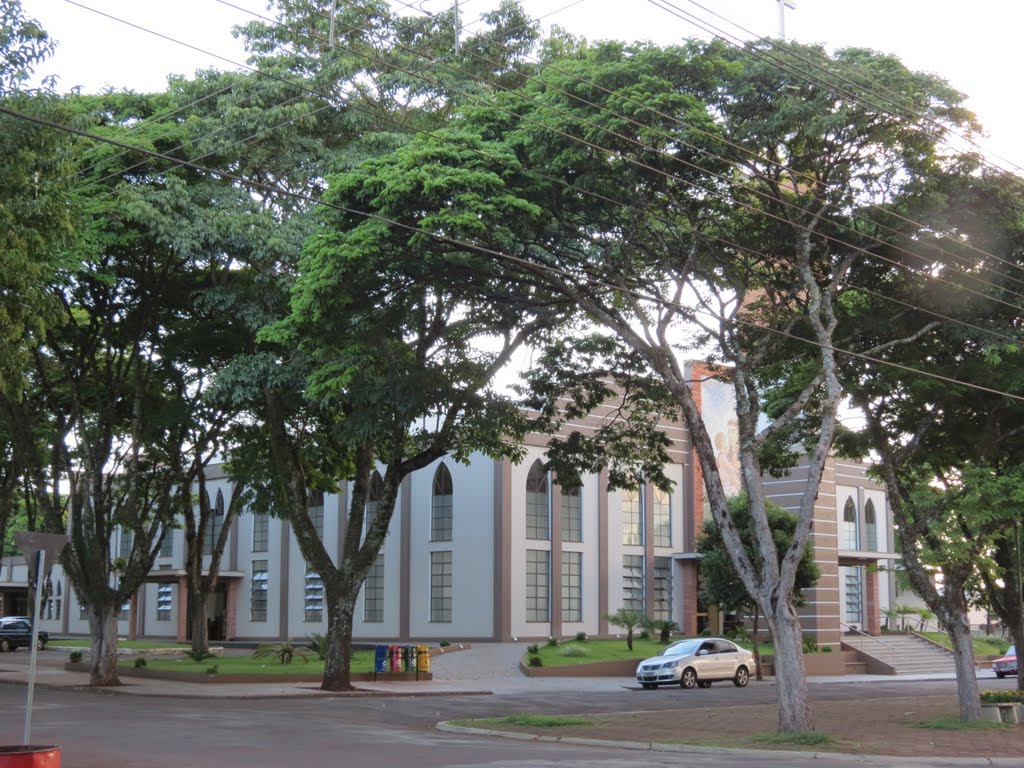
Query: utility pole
{"points": [[458, 28], [783, 5]]}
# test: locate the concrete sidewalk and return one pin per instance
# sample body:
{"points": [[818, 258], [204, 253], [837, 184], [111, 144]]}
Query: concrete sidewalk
{"points": [[482, 669]]}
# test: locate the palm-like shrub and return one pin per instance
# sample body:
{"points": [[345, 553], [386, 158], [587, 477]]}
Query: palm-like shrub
{"points": [[284, 652]]}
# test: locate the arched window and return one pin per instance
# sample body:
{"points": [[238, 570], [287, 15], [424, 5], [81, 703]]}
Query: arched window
{"points": [[538, 524], [849, 529], [441, 500], [373, 496], [870, 527]]}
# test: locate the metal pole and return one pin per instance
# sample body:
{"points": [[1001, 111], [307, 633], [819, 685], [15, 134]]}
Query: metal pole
{"points": [[40, 563], [330, 37], [783, 5], [458, 28], [1020, 596]]}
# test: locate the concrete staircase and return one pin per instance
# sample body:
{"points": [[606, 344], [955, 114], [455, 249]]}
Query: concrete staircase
{"points": [[907, 654]]}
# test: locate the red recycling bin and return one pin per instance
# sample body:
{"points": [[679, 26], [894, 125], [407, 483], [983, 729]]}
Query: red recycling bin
{"points": [[396, 658], [30, 756]]}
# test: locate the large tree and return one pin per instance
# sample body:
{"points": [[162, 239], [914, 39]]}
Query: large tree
{"points": [[377, 367], [721, 585], [948, 452], [700, 198]]}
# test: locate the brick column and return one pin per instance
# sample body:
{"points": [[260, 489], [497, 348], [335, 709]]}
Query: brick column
{"points": [[181, 604], [871, 618], [688, 622], [231, 609]]}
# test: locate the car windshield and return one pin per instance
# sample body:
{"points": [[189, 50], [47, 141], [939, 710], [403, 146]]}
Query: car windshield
{"points": [[1011, 651], [682, 648]]}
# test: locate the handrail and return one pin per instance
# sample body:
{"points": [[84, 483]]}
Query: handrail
{"points": [[890, 646]]}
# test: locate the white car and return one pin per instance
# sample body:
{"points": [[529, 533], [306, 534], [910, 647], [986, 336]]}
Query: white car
{"points": [[697, 662]]}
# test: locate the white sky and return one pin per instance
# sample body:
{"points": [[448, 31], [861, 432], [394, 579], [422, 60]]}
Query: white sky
{"points": [[972, 45]]}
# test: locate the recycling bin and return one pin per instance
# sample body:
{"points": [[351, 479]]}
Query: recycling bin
{"points": [[380, 659], [422, 658]]}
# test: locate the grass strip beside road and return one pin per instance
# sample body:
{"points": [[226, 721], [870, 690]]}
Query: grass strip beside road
{"points": [[362, 662]]}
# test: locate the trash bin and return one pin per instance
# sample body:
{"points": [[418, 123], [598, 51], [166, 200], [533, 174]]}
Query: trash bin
{"points": [[396, 658], [380, 658], [422, 658], [410, 658], [29, 756]]}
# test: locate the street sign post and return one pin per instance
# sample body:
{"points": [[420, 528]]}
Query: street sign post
{"points": [[41, 551]]}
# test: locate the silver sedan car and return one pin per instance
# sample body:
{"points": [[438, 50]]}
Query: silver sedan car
{"points": [[697, 662]]}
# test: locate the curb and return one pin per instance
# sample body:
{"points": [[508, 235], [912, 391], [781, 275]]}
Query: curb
{"points": [[654, 746]]}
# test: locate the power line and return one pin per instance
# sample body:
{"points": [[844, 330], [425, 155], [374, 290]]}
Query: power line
{"points": [[751, 153], [733, 245], [434, 62], [529, 265]]}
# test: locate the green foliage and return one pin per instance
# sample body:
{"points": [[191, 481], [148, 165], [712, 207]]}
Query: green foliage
{"points": [[198, 656], [536, 661], [720, 583], [526, 720], [956, 724], [574, 651], [213, 669], [581, 637], [140, 663], [796, 738], [318, 644], [810, 645], [285, 652], [664, 628], [444, 643], [24, 44], [628, 620], [75, 656], [1002, 697], [552, 642], [533, 649]]}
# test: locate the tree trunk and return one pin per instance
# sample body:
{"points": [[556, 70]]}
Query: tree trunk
{"points": [[200, 630], [959, 631], [338, 655], [790, 677], [103, 634]]}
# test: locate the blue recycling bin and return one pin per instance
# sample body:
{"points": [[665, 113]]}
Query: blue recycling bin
{"points": [[380, 659]]}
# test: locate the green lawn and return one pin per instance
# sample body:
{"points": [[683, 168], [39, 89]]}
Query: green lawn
{"points": [[362, 661], [982, 646], [83, 642], [596, 650]]}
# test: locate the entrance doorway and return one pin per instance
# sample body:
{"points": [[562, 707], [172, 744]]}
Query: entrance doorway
{"points": [[216, 615]]}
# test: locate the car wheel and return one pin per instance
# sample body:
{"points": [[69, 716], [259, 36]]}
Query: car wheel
{"points": [[1000, 675], [40, 645], [5, 645], [742, 677], [648, 686], [704, 683], [688, 679]]}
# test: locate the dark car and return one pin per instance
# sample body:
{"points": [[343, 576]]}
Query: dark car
{"points": [[16, 631], [1006, 665]]}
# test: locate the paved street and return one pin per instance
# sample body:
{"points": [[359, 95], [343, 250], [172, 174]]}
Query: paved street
{"points": [[132, 727]]}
